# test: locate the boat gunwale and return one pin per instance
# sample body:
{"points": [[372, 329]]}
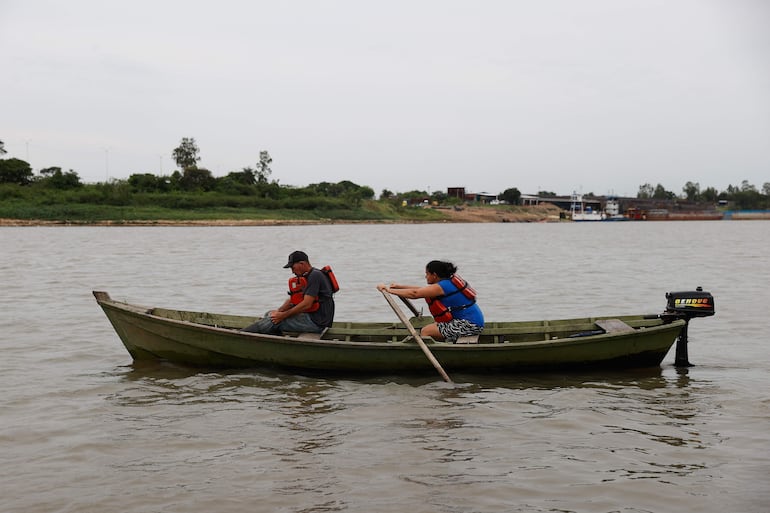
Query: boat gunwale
{"points": [[405, 343]]}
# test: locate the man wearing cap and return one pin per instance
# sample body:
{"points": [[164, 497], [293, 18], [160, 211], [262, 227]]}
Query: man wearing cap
{"points": [[310, 306]]}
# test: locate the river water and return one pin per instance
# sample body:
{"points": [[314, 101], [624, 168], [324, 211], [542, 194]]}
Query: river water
{"points": [[86, 430]]}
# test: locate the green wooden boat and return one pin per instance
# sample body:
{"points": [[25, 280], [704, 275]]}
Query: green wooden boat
{"points": [[215, 341]]}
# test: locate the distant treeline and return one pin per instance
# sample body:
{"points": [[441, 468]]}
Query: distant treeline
{"points": [[191, 190], [743, 197], [195, 187], [193, 193]]}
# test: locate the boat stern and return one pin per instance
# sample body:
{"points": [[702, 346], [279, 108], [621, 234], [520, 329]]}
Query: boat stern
{"points": [[687, 305]]}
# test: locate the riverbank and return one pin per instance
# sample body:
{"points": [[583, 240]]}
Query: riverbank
{"points": [[543, 213]]}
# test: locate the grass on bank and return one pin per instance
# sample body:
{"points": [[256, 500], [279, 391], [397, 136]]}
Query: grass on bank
{"points": [[117, 204], [191, 208]]}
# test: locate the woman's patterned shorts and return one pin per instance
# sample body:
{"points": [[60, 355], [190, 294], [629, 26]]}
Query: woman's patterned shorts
{"points": [[457, 328]]}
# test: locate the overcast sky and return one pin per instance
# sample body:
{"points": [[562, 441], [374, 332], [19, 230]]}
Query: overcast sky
{"points": [[593, 95]]}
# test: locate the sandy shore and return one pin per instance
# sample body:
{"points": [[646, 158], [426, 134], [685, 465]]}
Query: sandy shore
{"points": [[536, 214]]}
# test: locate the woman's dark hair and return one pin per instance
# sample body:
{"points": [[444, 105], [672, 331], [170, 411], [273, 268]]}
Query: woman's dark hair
{"points": [[444, 270]]}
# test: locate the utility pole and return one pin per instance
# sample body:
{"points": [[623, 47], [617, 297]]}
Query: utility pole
{"points": [[106, 165]]}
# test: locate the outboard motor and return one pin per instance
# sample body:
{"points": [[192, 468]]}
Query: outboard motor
{"points": [[686, 305]]}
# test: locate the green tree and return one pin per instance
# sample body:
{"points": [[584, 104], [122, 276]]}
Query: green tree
{"points": [[2, 148], [271, 190], [263, 167], [359, 194], [746, 197], [662, 193], [439, 197], [238, 182], [245, 177], [344, 189], [197, 179], [148, 182], [15, 171], [691, 191], [511, 196], [645, 191], [186, 154], [175, 180], [54, 178], [747, 187], [710, 195]]}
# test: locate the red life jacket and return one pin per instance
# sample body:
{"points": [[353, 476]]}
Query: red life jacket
{"points": [[442, 313], [327, 270], [297, 285]]}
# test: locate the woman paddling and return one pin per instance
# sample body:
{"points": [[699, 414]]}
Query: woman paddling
{"points": [[451, 301]]}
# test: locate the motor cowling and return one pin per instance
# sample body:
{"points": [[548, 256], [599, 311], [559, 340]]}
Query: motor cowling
{"points": [[689, 304]]}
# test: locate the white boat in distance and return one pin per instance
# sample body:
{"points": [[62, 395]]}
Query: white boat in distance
{"points": [[579, 212], [612, 211]]}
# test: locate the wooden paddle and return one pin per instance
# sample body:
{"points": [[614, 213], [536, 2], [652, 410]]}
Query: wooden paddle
{"points": [[416, 335], [411, 306]]}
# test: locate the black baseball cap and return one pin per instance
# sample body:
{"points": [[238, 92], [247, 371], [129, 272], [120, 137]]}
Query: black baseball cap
{"points": [[296, 256]]}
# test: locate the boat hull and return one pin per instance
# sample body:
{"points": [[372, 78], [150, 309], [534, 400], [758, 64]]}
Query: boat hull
{"points": [[215, 341]]}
